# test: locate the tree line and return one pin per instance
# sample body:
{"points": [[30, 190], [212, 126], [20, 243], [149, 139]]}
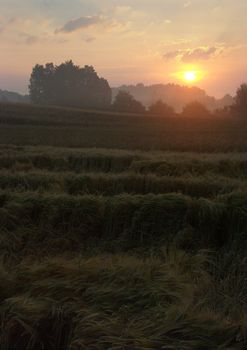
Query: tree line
{"points": [[69, 85]]}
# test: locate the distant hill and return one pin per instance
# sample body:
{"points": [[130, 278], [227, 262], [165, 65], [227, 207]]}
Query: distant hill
{"points": [[174, 95], [8, 96]]}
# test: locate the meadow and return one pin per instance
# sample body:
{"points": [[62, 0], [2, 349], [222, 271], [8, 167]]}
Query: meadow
{"points": [[31, 125], [121, 231]]}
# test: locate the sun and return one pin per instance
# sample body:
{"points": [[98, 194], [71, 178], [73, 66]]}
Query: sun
{"points": [[190, 76]]}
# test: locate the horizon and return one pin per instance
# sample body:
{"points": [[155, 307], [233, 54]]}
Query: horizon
{"points": [[26, 93], [128, 42]]}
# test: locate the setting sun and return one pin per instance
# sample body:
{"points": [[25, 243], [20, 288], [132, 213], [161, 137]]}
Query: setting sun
{"points": [[190, 76], [123, 174]]}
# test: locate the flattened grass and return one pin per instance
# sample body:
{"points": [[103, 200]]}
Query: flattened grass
{"points": [[118, 302]]}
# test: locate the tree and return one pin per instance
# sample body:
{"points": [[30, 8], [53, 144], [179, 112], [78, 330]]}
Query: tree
{"points": [[125, 102], [40, 88], [224, 112], [240, 105], [69, 85], [195, 110], [161, 108]]}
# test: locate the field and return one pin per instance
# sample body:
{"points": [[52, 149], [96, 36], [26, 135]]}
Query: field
{"points": [[30, 125], [121, 232]]}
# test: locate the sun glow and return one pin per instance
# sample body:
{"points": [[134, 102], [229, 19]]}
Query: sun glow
{"points": [[190, 76]]}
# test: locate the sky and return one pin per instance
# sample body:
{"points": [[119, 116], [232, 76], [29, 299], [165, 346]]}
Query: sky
{"points": [[127, 42]]}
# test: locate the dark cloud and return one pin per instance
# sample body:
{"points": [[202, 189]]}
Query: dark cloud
{"points": [[171, 55], [191, 55], [30, 39], [199, 54], [80, 23]]}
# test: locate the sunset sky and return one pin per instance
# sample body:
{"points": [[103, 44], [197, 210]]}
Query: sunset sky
{"points": [[131, 41]]}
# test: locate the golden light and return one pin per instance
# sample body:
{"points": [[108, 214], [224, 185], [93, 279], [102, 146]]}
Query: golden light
{"points": [[190, 76]]}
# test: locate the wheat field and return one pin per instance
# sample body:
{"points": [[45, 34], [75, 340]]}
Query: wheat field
{"points": [[121, 232]]}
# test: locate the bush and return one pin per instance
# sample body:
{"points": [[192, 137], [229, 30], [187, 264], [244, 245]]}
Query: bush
{"points": [[125, 102], [162, 109], [195, 110]]}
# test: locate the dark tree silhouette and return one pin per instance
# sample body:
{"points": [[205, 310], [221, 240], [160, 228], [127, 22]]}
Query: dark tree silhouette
{"points": [[224, 112], [161, 108], [69, 85], [125, 102], [195, 110], [240, 104], [174, 95], [4, 98], [38, 88]]}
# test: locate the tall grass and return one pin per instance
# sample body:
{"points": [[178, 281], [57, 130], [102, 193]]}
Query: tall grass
{"points": [[116, 161], [39, 224], [118, 302], [112, 184]]}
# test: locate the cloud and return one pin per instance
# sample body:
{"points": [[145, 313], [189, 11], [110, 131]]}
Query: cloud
{"points": [[80, 23], [195, 54], [171, 55], [187, 4], [122, 10], [31, 39], [7, 24], [89, 39], [198, 54]]}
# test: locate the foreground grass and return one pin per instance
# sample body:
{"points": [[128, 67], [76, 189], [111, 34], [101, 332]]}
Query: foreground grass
{"points": [[120, 302], [108, 184], [97, 253]]}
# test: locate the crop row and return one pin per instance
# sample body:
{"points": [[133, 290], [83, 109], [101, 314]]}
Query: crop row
{"points": [[29, 220], [118, 163], [112, 184]]}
